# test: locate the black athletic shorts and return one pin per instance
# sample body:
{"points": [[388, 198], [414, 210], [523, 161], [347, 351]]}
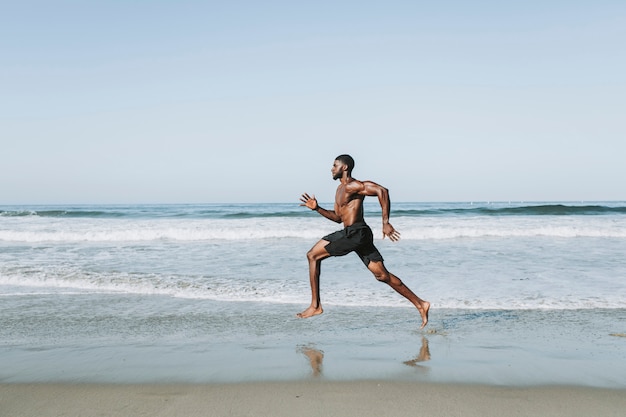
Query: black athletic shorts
{"points": [[355, 238]]}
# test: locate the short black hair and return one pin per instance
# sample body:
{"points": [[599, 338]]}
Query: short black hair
{"points": [[346, 159]]}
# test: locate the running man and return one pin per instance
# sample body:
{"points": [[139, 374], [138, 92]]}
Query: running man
{"points": [[356, 235]]}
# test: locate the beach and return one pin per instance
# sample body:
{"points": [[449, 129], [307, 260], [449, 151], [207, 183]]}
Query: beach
{"points": [[191, 310], [348, 362], [286, 399]]}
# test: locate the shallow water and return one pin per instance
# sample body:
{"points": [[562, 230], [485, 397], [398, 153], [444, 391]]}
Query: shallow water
{"points": [[530, 294], [121, 339]]}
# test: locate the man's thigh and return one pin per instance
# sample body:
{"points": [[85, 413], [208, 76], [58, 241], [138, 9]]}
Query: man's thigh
{"points": [[318, 251]]}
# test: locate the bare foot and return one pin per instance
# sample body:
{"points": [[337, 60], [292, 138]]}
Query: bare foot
{"points": [[425, 307], [310, 312]]}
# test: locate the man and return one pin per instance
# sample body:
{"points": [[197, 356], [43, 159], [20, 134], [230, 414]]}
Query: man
{"points": [[356, 235]]}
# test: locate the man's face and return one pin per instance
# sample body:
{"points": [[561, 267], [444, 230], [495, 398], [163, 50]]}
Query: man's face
{"points": [[337, 170]]}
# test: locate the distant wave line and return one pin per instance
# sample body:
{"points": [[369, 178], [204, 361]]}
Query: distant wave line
{"points": [[540, 210], [288, 211]]}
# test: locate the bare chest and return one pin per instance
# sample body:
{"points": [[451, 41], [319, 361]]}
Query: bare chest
{"points": [[345, 199]]}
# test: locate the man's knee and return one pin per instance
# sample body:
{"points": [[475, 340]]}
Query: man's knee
{"points": [[383, 277], [380, 272], [316, 253]]}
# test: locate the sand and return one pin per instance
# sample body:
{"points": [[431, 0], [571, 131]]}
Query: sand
{"points": [[306, 398]]}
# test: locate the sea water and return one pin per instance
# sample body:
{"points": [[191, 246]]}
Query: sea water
{"points": [[83, 286]]}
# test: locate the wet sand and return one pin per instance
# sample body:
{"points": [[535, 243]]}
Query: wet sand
{"points": [[307, 398]]}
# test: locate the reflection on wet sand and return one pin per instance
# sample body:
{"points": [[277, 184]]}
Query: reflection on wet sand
{"points": [[423, 356], [316, 357]]}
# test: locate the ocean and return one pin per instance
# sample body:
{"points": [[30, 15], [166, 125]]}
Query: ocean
{"points": [[125, 293]]}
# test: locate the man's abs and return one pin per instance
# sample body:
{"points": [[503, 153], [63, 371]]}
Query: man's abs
{"points": [[351, 212]]}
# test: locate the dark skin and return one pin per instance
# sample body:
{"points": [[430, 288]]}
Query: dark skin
{"points": [[348, 210]]}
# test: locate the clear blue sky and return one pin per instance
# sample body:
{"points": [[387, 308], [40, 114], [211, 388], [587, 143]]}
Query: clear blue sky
{"points": [[250, 101]]}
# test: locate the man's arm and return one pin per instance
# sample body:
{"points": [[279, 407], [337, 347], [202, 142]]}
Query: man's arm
{"points": [[311, 202], [370, 188]]}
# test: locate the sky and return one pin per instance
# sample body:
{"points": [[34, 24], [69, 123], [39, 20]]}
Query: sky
{"points": [[250, 101]]}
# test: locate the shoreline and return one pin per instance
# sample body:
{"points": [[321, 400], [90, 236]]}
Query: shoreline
{"points": [[307, 398], [491, 348]]}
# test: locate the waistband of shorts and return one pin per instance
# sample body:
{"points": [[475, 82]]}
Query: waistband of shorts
{"points": [[357, 225]]}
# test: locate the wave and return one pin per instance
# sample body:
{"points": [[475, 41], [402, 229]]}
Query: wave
{"points": [[417, 229], [538, 210], [557, 210], [268, 215], [163, 213], [265, 211], [63, 213], [191, 235], [269, 291]]}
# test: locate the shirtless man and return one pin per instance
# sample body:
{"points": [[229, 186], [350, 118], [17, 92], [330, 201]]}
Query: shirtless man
{"points": [[356, 235]]}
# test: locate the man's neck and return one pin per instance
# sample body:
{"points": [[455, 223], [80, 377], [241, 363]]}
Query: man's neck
{"points": [[346, 179]]}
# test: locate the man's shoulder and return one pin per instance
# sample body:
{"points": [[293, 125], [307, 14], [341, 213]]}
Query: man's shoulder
{"points": [[354, 186]]}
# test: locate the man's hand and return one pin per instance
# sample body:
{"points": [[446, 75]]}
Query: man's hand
{"points": [[309, 201], [393, 234]]}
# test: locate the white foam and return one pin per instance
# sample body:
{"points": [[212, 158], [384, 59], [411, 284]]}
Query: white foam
{"points": [[268, 291], [263, 259], [63, 230]]}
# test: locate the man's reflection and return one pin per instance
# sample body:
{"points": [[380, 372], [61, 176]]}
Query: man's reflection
{"points": [[423, 356], [315, 356]]}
